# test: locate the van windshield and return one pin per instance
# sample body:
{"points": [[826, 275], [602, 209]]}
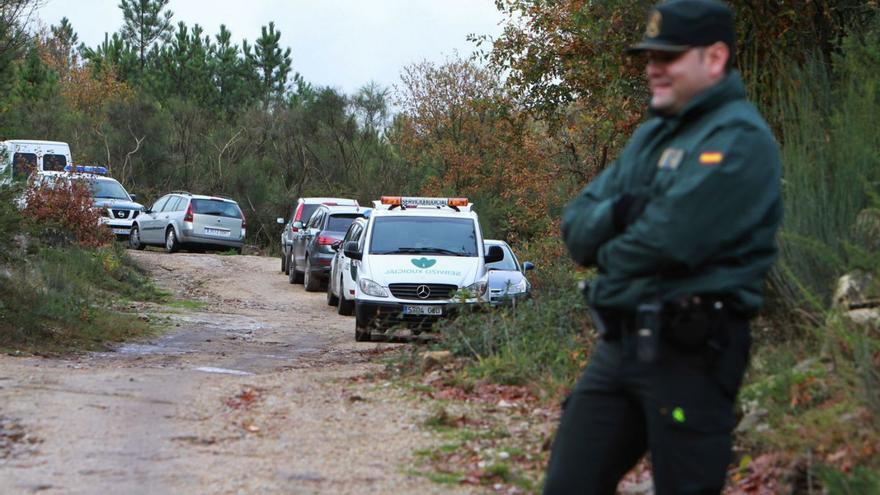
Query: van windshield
{"points": [[428, 235], [216, 207]]}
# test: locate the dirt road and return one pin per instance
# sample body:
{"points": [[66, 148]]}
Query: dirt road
{"points": [[257, 391]]}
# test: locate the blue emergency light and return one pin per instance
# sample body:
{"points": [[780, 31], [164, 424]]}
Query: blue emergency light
{"points": [[86, 169]]}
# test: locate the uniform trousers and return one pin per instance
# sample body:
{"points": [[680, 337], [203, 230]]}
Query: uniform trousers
{"points": [[678, 408]]}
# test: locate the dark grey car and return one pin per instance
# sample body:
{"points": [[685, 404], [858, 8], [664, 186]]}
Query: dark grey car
{"points": [[311, 251]]}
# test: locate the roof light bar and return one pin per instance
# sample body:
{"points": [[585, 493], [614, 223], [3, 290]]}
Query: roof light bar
{"points": [[86, 169], [408, 202]]}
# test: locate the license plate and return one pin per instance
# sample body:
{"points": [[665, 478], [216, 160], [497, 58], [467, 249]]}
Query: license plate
{"points": [[120, 231], [423, 310], [216, 232]]}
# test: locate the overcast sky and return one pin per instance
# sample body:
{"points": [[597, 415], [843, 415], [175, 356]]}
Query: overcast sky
{"points": [[339, 43]]}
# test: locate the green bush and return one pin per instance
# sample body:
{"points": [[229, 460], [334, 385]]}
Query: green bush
{"points": [[831, 165], [539, 342]]}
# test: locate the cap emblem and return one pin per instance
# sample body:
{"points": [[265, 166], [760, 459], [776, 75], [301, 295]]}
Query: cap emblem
{"points": [[654, 22]]}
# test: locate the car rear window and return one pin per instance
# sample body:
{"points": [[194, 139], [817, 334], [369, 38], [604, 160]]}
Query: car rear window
{"points": [[340, 223], [216, 207], [428, 235]]}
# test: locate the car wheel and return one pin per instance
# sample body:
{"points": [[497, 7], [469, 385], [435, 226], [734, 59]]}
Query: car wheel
{"points": [[134, 239], [311, 282], [332, 299], [171, 244], [283, 262], [345, 306]]}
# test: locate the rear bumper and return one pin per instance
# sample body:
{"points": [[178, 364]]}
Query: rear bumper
{"points": [[190, 238], [321, 264]]}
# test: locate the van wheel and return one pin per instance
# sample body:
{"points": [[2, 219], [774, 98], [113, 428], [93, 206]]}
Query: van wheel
{"points": [[332, 299], [171, 244], [134, 239], [311, 282], [362, 334]]}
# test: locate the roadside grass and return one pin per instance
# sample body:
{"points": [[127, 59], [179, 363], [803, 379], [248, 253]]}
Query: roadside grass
{"points": [[477, 448], [55, 300]]}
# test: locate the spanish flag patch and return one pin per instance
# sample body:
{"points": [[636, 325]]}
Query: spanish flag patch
{"points": [[711, 157]]}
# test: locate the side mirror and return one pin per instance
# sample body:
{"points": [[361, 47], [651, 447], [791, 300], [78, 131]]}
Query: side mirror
{"points": [[147, 210], [351, 250], [495, 254], [134, 197], [297, 225], [335, 245], [279, 221], [528, 265]]}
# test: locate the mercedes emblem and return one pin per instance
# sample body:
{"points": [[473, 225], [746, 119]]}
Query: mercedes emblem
{"points": [[423, 291]]}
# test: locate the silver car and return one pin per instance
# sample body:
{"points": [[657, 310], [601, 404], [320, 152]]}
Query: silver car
{"points": [[190, 221], [507, 278]]}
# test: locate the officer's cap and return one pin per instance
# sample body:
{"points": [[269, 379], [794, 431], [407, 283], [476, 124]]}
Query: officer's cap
{"points": [[678, 25]]}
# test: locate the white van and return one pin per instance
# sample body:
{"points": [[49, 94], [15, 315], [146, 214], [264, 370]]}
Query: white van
{"points": [[20, 157], [418, 261]]}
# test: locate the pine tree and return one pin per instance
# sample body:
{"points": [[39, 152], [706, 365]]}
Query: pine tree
{"points": [[145, 22], [271, 63]]}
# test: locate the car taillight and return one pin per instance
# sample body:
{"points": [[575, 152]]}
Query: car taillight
{"points": [[325, 241], [243, 220], [188, 217]]}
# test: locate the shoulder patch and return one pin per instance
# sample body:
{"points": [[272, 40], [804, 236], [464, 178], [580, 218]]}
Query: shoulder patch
{"points": [[711, 157], [671, 158]]}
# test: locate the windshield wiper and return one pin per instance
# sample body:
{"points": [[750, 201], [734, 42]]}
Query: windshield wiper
{"points": [[414, 250]]}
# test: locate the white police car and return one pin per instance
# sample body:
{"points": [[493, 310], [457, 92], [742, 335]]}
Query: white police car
{"points": [[419, 259]]}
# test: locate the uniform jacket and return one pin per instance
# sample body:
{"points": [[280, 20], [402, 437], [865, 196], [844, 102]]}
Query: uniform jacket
{"points": [[712, 173]]}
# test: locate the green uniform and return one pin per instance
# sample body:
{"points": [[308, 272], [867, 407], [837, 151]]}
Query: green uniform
{"points": [[709, 181], [712, 175]]}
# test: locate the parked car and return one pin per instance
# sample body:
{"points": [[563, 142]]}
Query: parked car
{"points": [[190, 221], [301, 212], [507, 280], [116, 206], [343, 270], [310, 251]]}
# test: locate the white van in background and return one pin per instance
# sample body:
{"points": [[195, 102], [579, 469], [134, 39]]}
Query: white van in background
{"points": [[20, 157]]}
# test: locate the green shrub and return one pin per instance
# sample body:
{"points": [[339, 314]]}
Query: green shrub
{"points": [[539, 342]]}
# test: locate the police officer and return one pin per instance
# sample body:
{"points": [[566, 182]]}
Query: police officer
{"points": [[681, 228]]}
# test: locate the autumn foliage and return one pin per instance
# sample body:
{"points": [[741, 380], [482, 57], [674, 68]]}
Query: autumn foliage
{"points": [[64, 210]]}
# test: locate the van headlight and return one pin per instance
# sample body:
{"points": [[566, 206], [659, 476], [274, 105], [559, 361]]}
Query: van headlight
{"points": [[477, 289], [371, 288]]}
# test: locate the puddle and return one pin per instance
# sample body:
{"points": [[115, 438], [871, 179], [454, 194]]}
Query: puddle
{"points": [[222, 371]]}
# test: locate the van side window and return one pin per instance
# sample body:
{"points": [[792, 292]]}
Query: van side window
{"points": [[54, 163], [23, 164]]}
